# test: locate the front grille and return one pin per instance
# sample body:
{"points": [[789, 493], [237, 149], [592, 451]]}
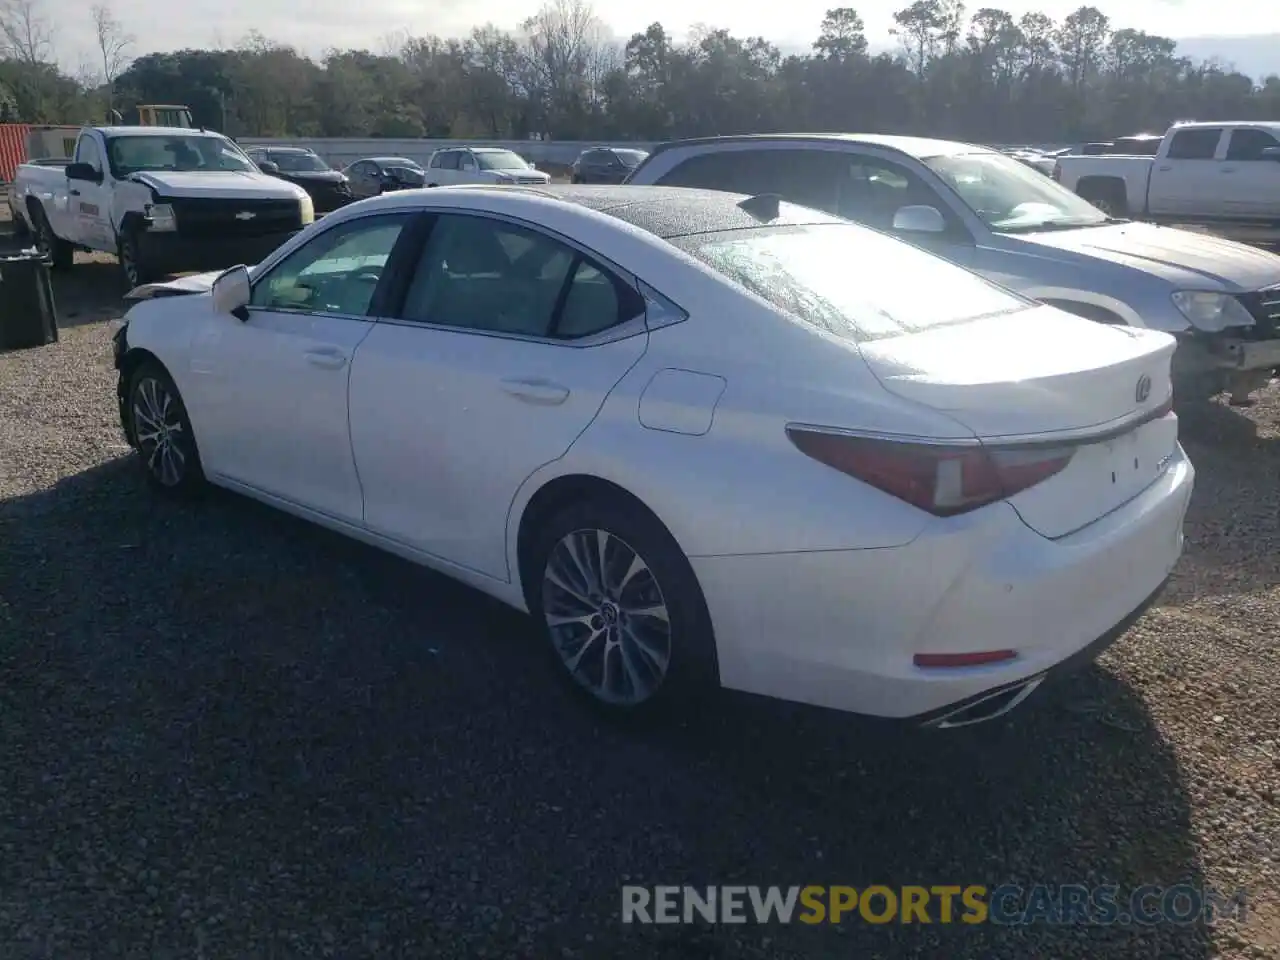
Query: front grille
{"points": [[209, 218], [1264, 307], [530, 180]]}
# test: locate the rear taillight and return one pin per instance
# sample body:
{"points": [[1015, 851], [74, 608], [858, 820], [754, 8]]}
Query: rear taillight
{"points": [[944, 480]]}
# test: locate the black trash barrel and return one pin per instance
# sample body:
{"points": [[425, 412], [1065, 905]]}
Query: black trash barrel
{"points": [[28, 317]]}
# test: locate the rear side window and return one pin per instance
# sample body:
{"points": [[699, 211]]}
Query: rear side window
{"points": [[850, 281], [1194, 144]]}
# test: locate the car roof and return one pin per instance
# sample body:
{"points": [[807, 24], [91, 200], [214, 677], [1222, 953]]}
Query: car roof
{"points": [[158, 132], [918, 147], [665, 212], [306, 150], [390, 160]]}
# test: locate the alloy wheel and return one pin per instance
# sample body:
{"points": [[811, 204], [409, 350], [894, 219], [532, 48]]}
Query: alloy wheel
{"points": [[607, 617], [157, 425]]}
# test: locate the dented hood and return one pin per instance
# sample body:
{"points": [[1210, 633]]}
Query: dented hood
{"points": [[182, 286]]}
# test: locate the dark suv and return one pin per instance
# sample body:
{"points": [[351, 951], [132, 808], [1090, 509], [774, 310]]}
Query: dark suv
{"points": [[605, 165]]}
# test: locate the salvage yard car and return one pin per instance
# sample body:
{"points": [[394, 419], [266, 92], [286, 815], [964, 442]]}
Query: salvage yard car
{"points": [[1215, 174], [481, 165], [992, 214], [163, 200], [702, 438], [329, 189]]}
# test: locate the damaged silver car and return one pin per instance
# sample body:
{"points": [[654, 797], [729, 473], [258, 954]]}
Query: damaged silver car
{"points": [[1013, 225]]}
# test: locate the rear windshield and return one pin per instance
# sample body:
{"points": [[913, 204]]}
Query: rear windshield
{"points": [[850, 281]]}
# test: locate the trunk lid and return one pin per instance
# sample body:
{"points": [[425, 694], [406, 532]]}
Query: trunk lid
{"points": [[1047, 375]]}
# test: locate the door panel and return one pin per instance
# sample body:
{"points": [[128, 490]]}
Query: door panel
{"points": [[1250, 183], [1185, 182], [269, 394], [448, 419]]}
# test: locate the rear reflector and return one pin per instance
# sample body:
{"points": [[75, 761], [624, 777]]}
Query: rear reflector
{"points": [[963, 659], [943, 480]]}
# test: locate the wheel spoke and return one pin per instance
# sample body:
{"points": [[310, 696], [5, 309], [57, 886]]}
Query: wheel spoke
{"points": [[585, 614]]}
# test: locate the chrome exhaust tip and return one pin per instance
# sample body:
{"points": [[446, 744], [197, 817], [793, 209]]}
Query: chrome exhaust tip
{"points": [[988, 707]]}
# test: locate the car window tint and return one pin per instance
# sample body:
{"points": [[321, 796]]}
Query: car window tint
{"points": [[489, 275], [1195, 144], [1249, 144], [337, 272], [872, 191], [448, 160], [591, 304]]}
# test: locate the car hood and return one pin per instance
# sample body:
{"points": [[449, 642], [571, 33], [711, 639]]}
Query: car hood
{"points": [[232, 184], [181, 286], [1178, 256]]}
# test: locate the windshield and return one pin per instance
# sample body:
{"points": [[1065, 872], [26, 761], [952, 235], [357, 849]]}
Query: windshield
{"points": [[197, 152], [850, 281], [1010, 196], [297, 162], [630, 158], [501, 160], [403, 162]]}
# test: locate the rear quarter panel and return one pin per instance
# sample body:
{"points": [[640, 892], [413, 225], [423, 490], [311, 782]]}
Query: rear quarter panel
{"points": [[46, 186]]}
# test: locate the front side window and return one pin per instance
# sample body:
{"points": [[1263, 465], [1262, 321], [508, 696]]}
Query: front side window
{"points": [[1200, 143], [1011, 197], [493, 276], [204, 152], [447, 160], [87, 152], [849, 281], [336, 272]]}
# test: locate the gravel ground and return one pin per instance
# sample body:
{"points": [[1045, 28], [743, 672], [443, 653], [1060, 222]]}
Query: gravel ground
{"points": [[226, 734]]}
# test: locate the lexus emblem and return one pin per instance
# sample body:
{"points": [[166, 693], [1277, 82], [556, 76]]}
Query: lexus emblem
{"points": [[1143, 389], [249, 215]]}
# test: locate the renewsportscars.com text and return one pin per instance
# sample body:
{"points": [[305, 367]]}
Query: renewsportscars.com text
{"points": [[972, 904]]}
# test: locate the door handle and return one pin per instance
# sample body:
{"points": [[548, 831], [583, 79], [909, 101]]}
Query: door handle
{"points": [[537, 390], [1228, 169], [75, 193], [329, 358], [1165, 169]]}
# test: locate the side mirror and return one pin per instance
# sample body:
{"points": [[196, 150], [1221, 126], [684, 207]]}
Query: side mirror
{"points": [[231, 292], [919, 219], [266, 166], [82, 171], [1271, 153]]}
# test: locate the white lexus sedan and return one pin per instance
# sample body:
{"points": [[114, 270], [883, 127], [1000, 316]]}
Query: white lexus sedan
{"points": [[700, 438]]}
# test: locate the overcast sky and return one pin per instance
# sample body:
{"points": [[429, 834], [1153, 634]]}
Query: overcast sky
{"points": [[315, 25]]}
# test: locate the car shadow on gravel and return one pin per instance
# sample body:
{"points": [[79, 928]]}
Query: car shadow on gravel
{"points": [[230, 734]]}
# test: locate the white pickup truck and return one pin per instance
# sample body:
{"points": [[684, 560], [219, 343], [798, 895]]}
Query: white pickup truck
{"points": [[163, 200], [1212, 174]]}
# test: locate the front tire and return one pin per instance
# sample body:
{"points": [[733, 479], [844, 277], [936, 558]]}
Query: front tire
{"points": [[161, 432], [133, 267], [621, 608]]}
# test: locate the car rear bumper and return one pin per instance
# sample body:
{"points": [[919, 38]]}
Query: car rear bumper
{"points": [[840, 629], [174, 253]]}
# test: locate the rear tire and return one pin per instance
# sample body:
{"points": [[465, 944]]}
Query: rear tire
{"points": [[621, 609], [61, 255], [1107, 195], [161, 432]]}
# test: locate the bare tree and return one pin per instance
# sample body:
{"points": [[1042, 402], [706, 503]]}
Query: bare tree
{"points": [[113, 44], [26, 35]]}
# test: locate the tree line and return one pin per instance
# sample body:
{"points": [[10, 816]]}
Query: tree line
{"points": [[983, 76]]}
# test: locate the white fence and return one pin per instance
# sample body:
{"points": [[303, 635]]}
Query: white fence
{"points": [[339, 153]]}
